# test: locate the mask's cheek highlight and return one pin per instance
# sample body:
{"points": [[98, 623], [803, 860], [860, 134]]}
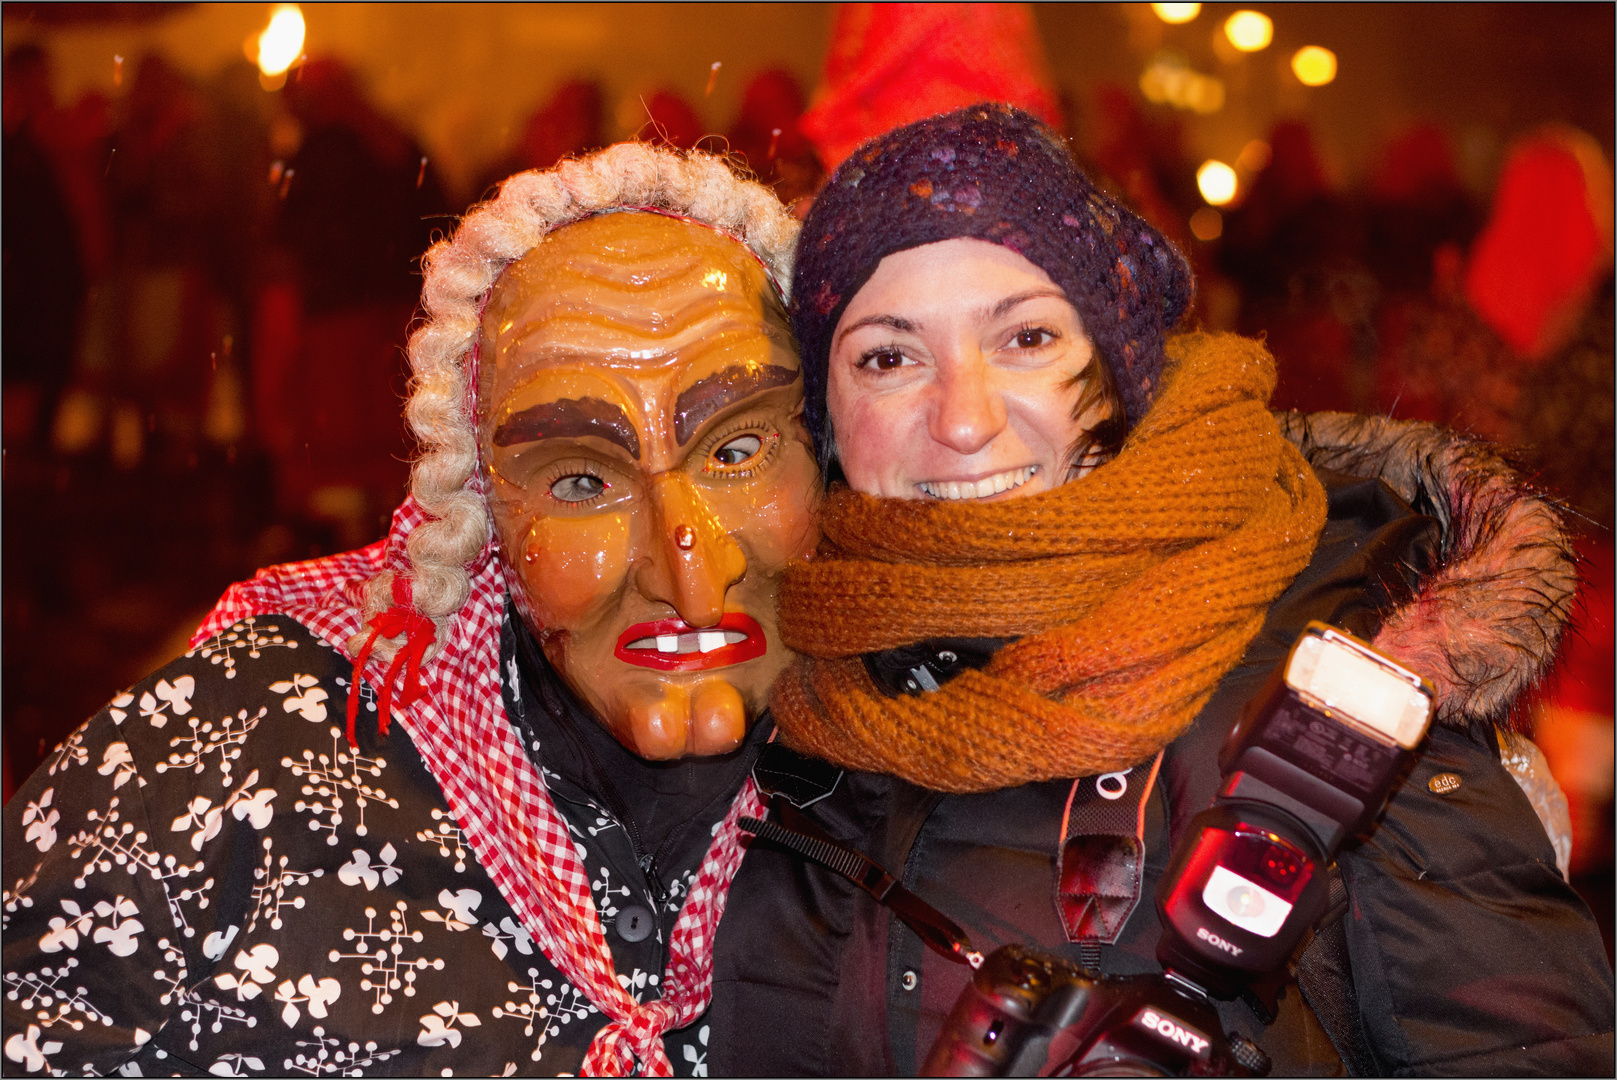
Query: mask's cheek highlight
{"points": [[572, 565], [789, 507]]}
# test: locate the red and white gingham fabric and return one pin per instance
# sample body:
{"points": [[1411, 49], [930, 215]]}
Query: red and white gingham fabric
{"points": [[499, 798]]}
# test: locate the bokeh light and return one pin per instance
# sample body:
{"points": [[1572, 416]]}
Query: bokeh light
{"points": [[1255, 156], [1176, 13], [1207, 224], [1216, 181], [1313, 65], [1168, 81], [281, 43], [1249, 31]]}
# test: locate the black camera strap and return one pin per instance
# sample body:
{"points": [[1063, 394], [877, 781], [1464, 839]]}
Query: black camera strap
{"points": [[1100, 860], [940, 933]]}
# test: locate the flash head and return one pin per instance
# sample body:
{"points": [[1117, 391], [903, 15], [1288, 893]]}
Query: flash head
{"points": [[1345, 678]]}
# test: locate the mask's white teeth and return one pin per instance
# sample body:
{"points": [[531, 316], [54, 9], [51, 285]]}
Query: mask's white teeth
{"points": [[980, 489], [702, 641]]}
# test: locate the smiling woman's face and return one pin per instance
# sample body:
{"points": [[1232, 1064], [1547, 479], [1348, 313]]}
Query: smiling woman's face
{"points": [[954, 374], [648, 478]]}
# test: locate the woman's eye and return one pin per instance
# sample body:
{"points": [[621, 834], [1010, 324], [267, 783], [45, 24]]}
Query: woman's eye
{"points": [[577, 489], [1032, 338], [882, 359], [738, 451]]}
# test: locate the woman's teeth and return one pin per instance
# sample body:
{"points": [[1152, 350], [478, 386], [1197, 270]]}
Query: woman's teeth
{"points": [[979, 489]]}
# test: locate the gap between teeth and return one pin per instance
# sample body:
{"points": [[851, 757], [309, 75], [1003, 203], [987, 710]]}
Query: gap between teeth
{"points": [[702, 641], [979, 489]]}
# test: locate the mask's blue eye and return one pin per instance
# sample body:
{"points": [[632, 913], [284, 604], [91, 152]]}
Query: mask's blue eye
{"points": [[577, 489]]}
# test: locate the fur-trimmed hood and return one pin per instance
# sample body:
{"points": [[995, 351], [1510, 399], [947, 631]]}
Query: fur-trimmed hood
{"points": [[1484, 624]]}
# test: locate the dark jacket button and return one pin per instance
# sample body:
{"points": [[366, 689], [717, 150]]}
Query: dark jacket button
{"points": [[633, 924]]}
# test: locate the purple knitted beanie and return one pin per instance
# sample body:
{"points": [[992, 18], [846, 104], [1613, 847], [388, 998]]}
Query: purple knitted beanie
{"points": [[990, 172]]}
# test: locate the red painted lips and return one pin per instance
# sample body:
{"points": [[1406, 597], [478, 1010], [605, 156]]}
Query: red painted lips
{"points": [[675, 645]]}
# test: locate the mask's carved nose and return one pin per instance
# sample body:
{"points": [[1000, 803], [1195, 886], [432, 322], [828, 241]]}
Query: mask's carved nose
{"points": [[691, 561]]}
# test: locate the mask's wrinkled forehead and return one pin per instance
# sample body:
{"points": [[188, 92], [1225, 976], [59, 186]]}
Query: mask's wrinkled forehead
{"points": [[621, 280]]}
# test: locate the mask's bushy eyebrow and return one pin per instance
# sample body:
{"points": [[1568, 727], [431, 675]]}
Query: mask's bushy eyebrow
{"points": [[569, 418], [705, 397]]}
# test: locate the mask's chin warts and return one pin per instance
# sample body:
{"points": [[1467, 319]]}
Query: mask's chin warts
{"points": [[657, 724], [979, 489], [674, 720]]}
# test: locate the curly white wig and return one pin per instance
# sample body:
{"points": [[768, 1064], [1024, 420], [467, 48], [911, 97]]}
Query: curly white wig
{"points": [[459, 274]]}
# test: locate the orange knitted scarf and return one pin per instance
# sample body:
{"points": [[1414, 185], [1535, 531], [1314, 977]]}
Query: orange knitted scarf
{"points": [[1132, 592]]}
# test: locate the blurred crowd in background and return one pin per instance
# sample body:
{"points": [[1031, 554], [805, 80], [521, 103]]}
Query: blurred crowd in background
{"points": [[208, 286]]}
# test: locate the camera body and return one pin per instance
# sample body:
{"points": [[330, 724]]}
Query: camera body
{"points": [[1309, 763], [1028, 1013]]}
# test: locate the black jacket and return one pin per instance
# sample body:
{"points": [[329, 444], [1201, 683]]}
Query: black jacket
{"points": [[1460, 949]]}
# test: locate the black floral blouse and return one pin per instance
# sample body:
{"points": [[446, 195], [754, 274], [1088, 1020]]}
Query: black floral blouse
{"points": [[206, 879]]}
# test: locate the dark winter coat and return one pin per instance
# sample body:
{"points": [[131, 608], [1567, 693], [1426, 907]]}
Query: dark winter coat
{"points": [[1457, 947]]}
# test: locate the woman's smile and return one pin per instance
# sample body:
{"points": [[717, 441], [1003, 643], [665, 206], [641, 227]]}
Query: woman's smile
{"points": [[987, 487]]}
